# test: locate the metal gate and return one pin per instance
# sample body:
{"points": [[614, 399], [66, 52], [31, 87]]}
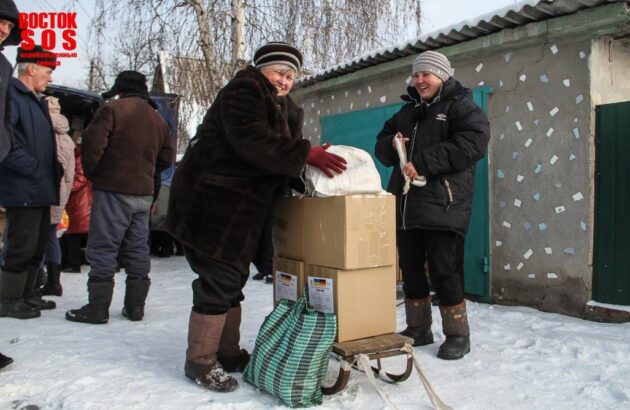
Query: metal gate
{"points": [[611, 253]]}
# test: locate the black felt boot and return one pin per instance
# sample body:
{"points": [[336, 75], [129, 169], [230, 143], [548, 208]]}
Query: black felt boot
{"points": [[12, 303], [53, 284], [418, 315], [96, 311], [5, 361], [135, 296], [455, 327], [35, 279]]}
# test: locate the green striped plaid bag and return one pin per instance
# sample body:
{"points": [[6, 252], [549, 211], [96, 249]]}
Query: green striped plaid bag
{"points": [[290, 358]]}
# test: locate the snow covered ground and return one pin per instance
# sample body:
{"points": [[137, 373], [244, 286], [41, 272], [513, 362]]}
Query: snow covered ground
{"points": [[520, 359]]}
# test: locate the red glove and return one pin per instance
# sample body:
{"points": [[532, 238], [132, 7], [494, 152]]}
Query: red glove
{"points": [[325, 161]]}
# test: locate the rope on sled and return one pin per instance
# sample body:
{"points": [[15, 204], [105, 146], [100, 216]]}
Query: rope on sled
{"points": [[428, 387], [363, 362]]}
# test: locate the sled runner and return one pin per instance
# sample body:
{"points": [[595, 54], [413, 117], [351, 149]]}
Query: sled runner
{"points": [[375, 348], [359, 354]]}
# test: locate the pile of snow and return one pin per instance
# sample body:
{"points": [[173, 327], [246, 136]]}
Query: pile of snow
{"points": [[520, 359]]}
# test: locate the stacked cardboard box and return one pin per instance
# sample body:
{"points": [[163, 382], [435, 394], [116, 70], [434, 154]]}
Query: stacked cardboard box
{"points": [[344, 250]]}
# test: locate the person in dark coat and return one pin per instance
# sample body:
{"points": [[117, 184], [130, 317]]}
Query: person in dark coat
{"points": [[30, 175], [9, 36], [445, 134], [126, 143], [233, 174]]}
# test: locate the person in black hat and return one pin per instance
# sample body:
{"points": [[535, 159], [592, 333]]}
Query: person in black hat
{"points": [[234, 172], [9, 36], [126, 143]]}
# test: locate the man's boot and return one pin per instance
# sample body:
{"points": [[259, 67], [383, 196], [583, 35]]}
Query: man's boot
{"points": [[35, 279], [96, 311], [11, 296], [5, 361], [202, 366], [136, 293], [231, 357], [455, 327], [418, 315], [53, 284]]}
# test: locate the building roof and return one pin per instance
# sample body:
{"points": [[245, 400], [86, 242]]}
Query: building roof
{"points": [[519, 14]]}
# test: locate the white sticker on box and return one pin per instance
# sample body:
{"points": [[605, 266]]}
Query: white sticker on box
{"points": [[320, 294], [286, 286]]}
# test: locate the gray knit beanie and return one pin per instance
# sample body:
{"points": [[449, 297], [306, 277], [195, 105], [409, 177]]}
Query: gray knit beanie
{"points": [[433, 62]]}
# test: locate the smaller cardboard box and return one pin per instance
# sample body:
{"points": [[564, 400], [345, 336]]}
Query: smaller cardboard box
{"points": [[364, 300], [342, 232], [288, 279]]}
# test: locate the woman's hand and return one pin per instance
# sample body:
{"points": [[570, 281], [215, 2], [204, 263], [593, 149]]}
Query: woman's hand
{"points": [[326, 161], [404, 140], [410, 170]]}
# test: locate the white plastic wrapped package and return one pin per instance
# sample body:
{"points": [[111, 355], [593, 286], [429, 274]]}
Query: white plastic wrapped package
{"points": [[360, 177]]}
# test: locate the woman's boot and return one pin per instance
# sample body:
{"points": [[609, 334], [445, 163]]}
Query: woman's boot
{"points": [[202, 366], [230, 355], [455, 327], [418, 315]]}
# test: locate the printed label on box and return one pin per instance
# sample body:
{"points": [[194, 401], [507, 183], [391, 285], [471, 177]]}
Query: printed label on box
{"points": [[286, 286], [320, 294]]}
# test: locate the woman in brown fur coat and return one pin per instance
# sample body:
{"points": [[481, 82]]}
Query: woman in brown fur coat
{"points": [[233, 174]]}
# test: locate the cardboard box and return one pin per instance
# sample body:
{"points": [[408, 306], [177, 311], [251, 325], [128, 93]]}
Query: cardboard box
{"points": [[343, 232], [364, 300], [288, 279]]}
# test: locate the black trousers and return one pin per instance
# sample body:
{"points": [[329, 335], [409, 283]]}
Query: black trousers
{"points": [[443, 252], [71, 245], [27, 237], [219, 286], [264, 255]]}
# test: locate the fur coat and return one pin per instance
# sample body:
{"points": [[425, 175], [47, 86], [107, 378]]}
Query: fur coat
{"points": [[236, 169]]}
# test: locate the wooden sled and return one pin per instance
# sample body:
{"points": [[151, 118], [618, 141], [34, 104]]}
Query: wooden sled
{"points": [[376, 348]]}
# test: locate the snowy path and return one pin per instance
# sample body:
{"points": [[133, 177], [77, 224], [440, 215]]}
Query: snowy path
{"points": [[520, 359]]}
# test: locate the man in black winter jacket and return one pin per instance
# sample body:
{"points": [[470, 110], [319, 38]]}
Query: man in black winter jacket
{"points": [[445, 133], [9, 36]]}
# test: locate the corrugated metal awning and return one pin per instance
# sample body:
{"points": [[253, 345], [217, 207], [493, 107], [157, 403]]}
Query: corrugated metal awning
{"points": [[519, 14]]}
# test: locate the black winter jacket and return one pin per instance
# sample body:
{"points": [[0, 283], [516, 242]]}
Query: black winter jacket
{"points": [[447, 138], [236, 169], [6, 131]]}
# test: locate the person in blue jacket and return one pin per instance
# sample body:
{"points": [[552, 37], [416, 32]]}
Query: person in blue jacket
{"points": [[9, 36], [29, 184]]}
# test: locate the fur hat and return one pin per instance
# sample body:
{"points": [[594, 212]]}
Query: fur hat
{"points": [[8, 11], [278, 52], [433, 62], [128, 81], [37, 56]]}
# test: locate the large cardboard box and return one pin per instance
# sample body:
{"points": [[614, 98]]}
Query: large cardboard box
{"points": [[288, 279], [343, 232], [364, 300]]}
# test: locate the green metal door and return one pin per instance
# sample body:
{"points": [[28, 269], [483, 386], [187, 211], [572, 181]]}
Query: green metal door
{"points": [[359, 129], [611, 256]]}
